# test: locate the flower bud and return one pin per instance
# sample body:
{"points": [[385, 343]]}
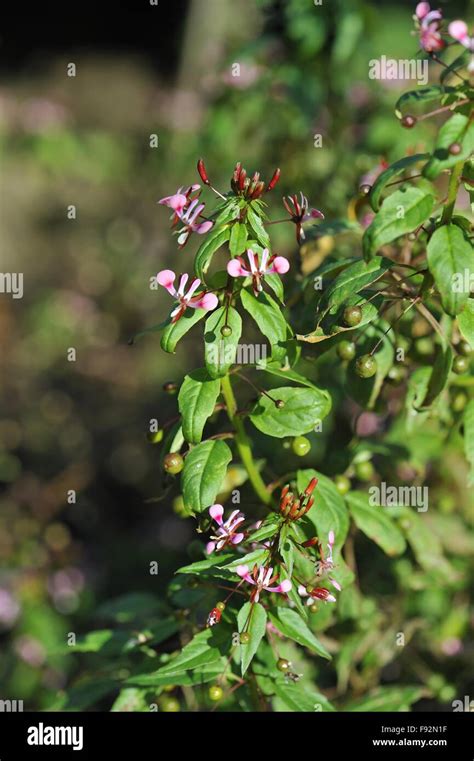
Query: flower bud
{"points": [[202, 172], [274, 180]]}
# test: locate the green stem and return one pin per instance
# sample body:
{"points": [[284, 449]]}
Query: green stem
{"points": [[243, 443], [452, 193]]}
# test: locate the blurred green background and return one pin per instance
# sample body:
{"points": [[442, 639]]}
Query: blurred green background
{"points": [[85, 141]]}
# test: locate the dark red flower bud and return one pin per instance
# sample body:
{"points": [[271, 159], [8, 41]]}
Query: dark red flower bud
{"points": [[311, 486], [320, 593], [310, 542], [242, 179], [214, 617], [202, 172], [274, 180]]}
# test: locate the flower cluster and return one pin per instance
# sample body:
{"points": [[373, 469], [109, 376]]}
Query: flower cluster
{"points": [[293, 508], [256, 269], [262, 578], [202, 300], [187, 209], [226, 532], [251, 188], [428, 25]]}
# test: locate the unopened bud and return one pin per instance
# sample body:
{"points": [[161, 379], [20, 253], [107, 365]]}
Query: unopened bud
{"points": [[274, 180], [202, 172]]}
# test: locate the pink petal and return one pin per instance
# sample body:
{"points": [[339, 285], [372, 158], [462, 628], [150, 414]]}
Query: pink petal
{"points": [[177, 202], [237, 538], [280, 265], [302, 591], [242, 570], [316, 214], [336, 585], [210, 547], [422, 9], [235, 269], [208, 302], [458, 30], [331, 537], [203, 227], [330, 598], [216, 512], [285, 585], [166, 278]]}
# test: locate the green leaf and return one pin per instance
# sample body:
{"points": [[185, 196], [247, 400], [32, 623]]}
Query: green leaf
{"points": [[275, 283], [256, 557], [468, 420], [196, 401], [439, 375], [393, 699], [252, 618], [152, 329], [286, 374], [398, 167], [423, 95], [401, 213], [329, 512], [204, 471], [176, 330], [459, 63], [206, 251], [416, 391], [303, 409], [466, 321], [216, 559], [130, 699], [353, 279], [268, 528], [219, 350], [196, 676], [258, 228], [458, 129], [270, 320], [290, 623], [205, 647], [450, 257], [238, 238], [374, 521], [299, 697], [425, 544]]}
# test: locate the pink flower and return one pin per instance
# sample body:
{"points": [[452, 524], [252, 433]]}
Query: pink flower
{"points": [[178, 201], [459, 32], [203, 300], [226, 532], [189, 217], [238, 267], [428, 23], [262, 578], [299, 211], [325, 564]]}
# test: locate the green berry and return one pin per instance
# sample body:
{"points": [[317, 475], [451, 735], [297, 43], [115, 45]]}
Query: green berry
{"points": [[458, 401], [170, 387], [226, 331], [301, 446], [279, 404], [366, 366], [346, 350], [424, 346], [352, 316], [215, 693], [313, 608], [342, 484], [154, 437], [464, 348], [220, 606], [244, 638], [173, 463], [460, 364], [169, 705], [283, 664], [396, 374], [365, 189], [364, 470]]}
